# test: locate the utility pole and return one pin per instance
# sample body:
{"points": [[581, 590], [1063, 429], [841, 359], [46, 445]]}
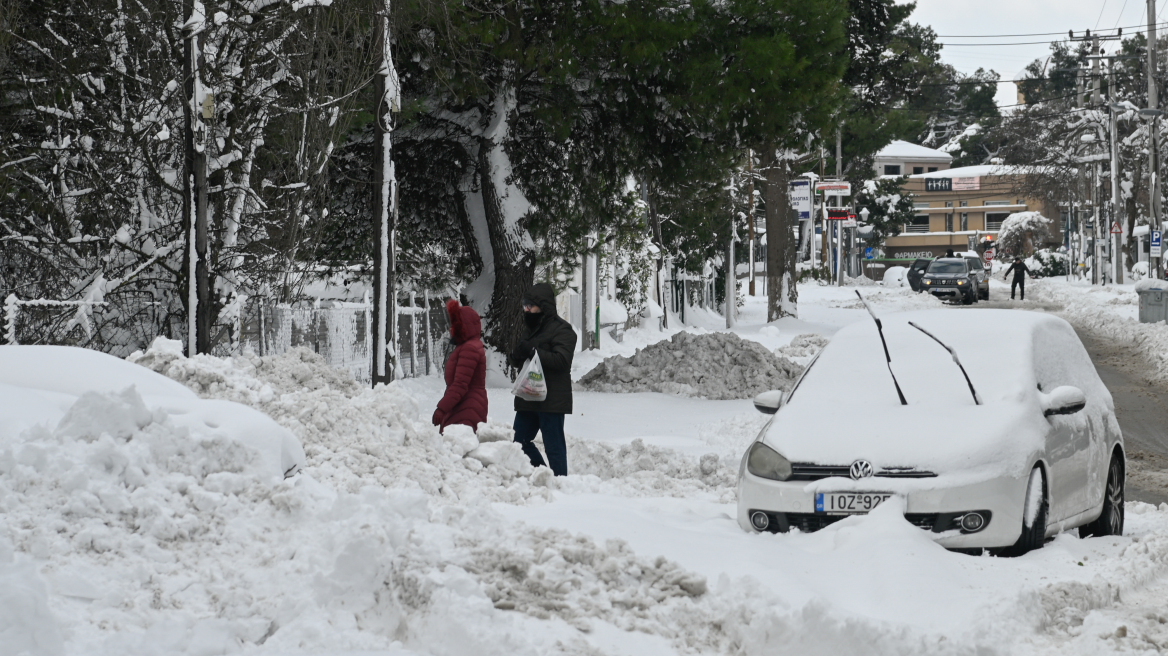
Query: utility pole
{"points": [[750, 213], [1116, 257], [839, 231], [385, 197], [195, 186], [1154, 145]]}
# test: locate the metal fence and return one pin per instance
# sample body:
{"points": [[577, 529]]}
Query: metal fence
{"points": [[342, 333]]}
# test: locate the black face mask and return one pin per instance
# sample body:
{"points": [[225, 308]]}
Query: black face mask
{"points": [[532, 319]]}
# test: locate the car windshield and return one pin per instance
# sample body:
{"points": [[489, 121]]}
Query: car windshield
{"points": [[974, 264], [947, 266]]}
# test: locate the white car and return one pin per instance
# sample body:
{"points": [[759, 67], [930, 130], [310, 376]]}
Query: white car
{"points": [[1008, 440]]}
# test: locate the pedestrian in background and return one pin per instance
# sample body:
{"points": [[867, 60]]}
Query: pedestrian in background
{"points": [[555, 341], [465, 400], [1019, 283]]}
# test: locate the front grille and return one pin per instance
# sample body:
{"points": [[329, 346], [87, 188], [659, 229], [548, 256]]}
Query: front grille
{"points": [[803, 471]]}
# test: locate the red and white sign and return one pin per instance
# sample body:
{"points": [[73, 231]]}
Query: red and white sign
{"points": [[836, 213], [967, 184], [989, 255], [1115, 229], [840, 188]]}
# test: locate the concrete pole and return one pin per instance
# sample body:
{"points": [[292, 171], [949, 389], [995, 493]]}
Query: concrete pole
{"points": [[750, 213], [839, 233]]}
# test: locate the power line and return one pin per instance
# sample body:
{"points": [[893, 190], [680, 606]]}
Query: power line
{"points": [[1100, 14], [1003, 36]]}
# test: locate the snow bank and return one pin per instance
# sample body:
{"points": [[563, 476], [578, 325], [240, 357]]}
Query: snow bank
{"points": [[712, 365]]}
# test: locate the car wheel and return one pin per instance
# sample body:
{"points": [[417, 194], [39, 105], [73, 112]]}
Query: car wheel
{"points": [[985, 296], [1034, 507], [967, 299], [1110, 521]]}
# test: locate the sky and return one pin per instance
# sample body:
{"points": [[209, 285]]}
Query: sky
{"points": [[956, 21]]}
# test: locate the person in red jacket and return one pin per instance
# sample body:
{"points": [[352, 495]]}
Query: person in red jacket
{"points": [[465, 401]]}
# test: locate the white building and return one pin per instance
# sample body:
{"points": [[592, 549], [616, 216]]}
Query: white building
{"points": [[904, 158]]}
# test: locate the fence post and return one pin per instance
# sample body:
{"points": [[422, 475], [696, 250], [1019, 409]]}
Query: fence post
{"points": [[429, 335], [413, 336], [11, 309]]}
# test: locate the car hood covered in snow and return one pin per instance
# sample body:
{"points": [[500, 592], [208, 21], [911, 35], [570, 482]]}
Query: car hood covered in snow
{"points": [[846, 407]]}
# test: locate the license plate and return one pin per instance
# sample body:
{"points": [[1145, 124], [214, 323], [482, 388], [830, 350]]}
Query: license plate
{"points": [[848, 502]]}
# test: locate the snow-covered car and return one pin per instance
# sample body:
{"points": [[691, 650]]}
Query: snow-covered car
{"points": [[1005, 440]]}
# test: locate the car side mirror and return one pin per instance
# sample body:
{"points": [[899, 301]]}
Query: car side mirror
{"points": [[1065, 400], [769, 403]]}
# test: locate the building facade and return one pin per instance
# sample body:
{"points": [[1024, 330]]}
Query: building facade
{"points": [[963, 209]]}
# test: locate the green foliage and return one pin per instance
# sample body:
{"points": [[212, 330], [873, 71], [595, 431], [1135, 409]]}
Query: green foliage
{"points": [[889, 207]]}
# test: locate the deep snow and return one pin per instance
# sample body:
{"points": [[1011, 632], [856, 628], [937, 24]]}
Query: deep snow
{"points": [[138, 527]]}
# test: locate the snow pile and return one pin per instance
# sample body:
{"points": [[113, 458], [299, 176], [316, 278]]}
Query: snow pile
{"points": [[637, 469], [803, 347], [712, 365]]}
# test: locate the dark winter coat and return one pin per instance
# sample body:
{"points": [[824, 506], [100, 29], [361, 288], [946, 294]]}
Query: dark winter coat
{"points": [[1020, 270], [556, 342], [465, 401]]}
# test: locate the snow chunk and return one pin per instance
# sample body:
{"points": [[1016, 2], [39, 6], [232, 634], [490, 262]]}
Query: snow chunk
{"points": [[713, 365], [507, 456]]}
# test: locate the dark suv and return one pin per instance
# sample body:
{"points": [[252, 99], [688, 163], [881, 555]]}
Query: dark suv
{"points": [[951, 277]]}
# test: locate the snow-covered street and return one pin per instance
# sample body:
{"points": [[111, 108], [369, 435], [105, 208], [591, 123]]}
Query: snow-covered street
{"points": [[154, 522]]}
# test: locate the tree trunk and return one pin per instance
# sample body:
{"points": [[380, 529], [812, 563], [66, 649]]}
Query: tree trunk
{"points": [[495, 210], [782, 296]]}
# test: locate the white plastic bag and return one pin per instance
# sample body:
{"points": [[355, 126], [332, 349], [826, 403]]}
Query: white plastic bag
{"points": [[530, 384]]}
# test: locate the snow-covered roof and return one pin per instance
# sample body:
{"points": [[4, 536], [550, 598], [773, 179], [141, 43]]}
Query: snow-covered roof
{"points": [[975, 171], [904, 150]]}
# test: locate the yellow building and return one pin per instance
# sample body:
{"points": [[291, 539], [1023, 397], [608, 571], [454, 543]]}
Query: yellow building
{"points": [[961, 208]]}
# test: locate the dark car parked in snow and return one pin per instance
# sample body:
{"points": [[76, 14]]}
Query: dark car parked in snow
{"points": [[953, 278]]}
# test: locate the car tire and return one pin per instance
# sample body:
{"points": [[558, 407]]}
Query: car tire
{"points": [[1033, 532], [967, 299], [986, 294], [1110, 521]]}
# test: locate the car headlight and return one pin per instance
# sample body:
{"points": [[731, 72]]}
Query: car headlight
{"points": [[765, 462], [961, 282], [928, 282]]}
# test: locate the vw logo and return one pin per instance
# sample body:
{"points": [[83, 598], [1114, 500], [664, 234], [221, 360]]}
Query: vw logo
{"points": [[861, 469]]}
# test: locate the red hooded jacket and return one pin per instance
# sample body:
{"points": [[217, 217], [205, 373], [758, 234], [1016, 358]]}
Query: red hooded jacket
{"points": [[465, 401]]}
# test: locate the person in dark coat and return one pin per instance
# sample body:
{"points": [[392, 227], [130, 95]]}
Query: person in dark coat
{"points": [[1020, 271], [555, 341], [465, 401]]}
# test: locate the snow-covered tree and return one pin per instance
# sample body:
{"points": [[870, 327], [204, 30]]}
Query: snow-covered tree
{"points": [[1023, 232]]}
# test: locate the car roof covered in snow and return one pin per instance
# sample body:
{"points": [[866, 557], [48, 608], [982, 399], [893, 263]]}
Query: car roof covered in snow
{"points": [[848, 402]]}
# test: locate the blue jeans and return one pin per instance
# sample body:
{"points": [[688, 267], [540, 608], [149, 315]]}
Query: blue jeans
{"points": [[551, 424]]}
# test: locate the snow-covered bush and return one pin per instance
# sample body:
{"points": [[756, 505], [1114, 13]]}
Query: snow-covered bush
{"points": [[1048, 263]]}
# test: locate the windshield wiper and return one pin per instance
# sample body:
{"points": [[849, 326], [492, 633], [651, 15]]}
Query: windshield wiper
{"points": [[976, 401], [887, 358]]}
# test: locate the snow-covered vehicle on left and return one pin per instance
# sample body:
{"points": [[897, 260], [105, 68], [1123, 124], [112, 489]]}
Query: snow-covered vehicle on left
{"points": [[1007, 439]]}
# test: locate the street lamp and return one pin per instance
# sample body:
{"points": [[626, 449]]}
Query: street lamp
{"points": [[864, 213]]}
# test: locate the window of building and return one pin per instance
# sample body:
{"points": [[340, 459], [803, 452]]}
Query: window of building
{"points": [[948, 203], [994, 220], [964, 203], [964, 221], [948, 223], [892, 169], [917, 170], [994, 203], [932, 169], [921, 205], [920, 223]]}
